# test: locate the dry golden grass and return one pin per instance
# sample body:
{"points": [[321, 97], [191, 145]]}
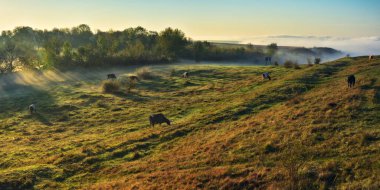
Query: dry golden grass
{"points": [[231, 130]]}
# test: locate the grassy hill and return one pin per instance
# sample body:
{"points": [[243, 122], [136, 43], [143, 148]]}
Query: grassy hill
{"points": [[231, 130]]}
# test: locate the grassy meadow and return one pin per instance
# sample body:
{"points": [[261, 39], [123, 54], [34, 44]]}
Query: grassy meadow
{"points": [[230, 129]]}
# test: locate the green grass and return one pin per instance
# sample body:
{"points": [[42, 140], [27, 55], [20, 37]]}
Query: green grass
{"points": [[231, 130]]}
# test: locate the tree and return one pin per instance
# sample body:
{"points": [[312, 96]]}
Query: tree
{"points": [[53, 48], [67, 53], [272, 49], [8, 55], [198, 50], [317, 60], [172, 42]]}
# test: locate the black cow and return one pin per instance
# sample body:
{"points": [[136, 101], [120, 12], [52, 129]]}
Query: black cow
{"points": [[351, 81], [32, 108], [111, 76], [158, 119]]}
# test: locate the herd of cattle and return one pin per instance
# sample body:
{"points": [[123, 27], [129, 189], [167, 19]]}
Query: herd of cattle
{"points": [[160, 118]]}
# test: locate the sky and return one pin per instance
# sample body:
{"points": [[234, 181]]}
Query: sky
{"points": [[312, 22]]}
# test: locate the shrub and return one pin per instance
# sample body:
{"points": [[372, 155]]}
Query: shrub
{"points": [[291, 64], [144, 73], [172, 72], [131, 84], [288, 64], [110, 86], [317, 60], [275, 63], [296, 66]]}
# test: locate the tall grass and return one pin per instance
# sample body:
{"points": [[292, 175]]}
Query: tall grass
{"points": [[110, 86], [144, 73]]}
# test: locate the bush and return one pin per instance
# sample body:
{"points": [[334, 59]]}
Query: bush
{"points": [[130, 85], [172, 72], [291, 64], [144, 73], [110, 86], [296, 66], [317, 60], [288, 64]]}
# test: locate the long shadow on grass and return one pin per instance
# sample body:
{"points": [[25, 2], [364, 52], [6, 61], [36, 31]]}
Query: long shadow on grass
{"points": [[18, 97], [370, 86], [277, 94]]}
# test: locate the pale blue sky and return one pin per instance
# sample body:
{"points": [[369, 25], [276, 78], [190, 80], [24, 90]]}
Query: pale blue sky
{"points": [[212, 19]]}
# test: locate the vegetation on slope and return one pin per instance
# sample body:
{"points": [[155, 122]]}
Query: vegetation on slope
{"points": [[231, 130]]}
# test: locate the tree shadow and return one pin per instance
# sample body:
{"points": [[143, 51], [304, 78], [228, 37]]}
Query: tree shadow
{"points": [[370, 86], [16, 98]]}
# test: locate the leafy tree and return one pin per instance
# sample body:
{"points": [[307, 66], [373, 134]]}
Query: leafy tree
{"points": [[53, 48], [172, 42], [272, 49], [198, 50], [317, 60]]}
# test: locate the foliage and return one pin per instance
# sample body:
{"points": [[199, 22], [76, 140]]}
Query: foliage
{"points": [[144, 73], [272, 49], [110, 86], [317, 60]]}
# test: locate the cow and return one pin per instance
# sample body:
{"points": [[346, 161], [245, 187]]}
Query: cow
{"points": [[133, 78], [370, 57], [111, 76], [351, 81], [158, 119], [185, 75], [266, 76], [32, 108]]}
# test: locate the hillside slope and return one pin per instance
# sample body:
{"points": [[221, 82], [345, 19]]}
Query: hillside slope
{"points": [[231, 130]]}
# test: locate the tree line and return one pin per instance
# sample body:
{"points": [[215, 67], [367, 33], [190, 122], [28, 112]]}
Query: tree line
{"points": [[28, 48]]}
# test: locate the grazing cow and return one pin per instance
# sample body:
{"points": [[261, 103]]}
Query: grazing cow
{"points": [[158, 119], [268, 60], [134, 78], [32, 108], [370, 57], [185, 75], [351, 81], [266, 76], [111, 76]]}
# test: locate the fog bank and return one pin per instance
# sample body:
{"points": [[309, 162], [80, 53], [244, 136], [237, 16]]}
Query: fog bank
{"points": [[353, 46]]}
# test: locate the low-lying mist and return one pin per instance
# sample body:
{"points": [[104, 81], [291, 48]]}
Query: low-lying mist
{"points": [[15, 83], [353, 46]]}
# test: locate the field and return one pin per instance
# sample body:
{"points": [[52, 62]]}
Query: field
{"points": [[230, 129]]}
